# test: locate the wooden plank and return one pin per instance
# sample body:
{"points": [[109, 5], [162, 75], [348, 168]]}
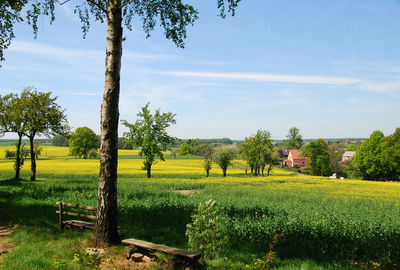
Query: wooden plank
{"points": [[79, 223], [71, 214], [77, 206], [162, 248]]}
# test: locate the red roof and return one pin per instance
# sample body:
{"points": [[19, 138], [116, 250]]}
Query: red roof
{"points": [[296, 153], [297, 160]]}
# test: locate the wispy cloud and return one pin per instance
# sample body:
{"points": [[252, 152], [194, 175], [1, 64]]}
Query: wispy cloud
{"points": [[380, 85], [73, 56], [265, 77]]}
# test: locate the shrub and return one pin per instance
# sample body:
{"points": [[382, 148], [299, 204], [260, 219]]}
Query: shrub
{"points": [[93, 153], [10, 154], [208, 232]]}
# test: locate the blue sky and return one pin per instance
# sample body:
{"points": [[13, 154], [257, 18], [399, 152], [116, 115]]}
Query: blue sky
{"points": [[330, 68]]}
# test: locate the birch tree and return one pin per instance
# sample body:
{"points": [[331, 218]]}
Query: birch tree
{"points": [[173, 16]]}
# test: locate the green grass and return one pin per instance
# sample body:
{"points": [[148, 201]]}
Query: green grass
{"points": [[324, 221]]}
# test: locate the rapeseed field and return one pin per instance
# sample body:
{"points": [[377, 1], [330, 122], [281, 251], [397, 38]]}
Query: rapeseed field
{"points": [[320, 218]]}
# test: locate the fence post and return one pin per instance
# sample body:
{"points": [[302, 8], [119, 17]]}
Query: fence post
{"points": [[60, 219]]}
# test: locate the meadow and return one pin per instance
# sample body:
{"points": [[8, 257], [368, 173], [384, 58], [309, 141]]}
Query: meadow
{"points": [[333, 223]]}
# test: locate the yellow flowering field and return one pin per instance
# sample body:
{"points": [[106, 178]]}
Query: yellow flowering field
{"points": [[319, 216]]}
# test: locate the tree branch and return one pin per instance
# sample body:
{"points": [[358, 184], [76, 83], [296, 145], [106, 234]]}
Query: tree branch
{"points": [[62, 3], [97, 5], [127, 3]]}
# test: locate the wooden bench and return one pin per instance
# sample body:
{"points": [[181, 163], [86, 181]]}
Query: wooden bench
{"points": [[75, 223], [182, 258]]}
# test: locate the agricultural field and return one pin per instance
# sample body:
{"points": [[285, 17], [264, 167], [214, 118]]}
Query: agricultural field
{"points": [[323, 223]]}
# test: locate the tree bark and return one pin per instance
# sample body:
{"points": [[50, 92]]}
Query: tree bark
{"points": [[148, 168], [208, 172], [269, 169], [106, 232], [18, 157], [33, 159], [224, 172]]}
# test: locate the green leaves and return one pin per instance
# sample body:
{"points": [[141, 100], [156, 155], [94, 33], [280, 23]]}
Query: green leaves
{"points": [[318, 160], [82, 141], [149, 134]]}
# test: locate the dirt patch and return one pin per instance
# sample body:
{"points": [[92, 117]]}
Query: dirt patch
{"points": [[187, 191], [120, 262], [5, 241]]}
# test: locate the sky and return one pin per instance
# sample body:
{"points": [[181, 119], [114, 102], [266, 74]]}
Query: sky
{"points": [[330, 68]]}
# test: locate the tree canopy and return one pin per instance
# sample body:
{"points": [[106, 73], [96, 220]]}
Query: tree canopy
{"points": [[42, 116], [82, 141], [318, 161], [257, 150], [223, 156], [294, 139], [149, 134]]}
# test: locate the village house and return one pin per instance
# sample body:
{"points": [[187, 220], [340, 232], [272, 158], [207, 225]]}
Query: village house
{"points": [[348, 155], [294, 159]]}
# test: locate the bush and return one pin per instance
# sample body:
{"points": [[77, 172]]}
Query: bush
{"points": [[10, 154], [208, 232], [93, 153]]}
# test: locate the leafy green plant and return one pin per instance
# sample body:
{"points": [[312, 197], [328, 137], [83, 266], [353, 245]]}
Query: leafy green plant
{"points": [[269, 260], [92, 261], [208, 232], [93, 153]]}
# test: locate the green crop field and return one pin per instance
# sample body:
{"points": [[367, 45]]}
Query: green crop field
{"points": [[334, 223]]}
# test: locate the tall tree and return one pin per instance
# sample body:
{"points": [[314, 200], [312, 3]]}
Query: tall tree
{"points": [[82, 141], [294, 139], [149, 135], [173, 15], [42, 116], [391, 155], [368, 157]]}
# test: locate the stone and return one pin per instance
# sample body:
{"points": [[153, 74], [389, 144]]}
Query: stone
{"points": [[95, 251], [146, 259], [137, 257]]}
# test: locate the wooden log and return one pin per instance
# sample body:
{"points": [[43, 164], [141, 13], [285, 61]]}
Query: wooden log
{"points": [[71, 214], [79, 224], [77, 206], [162, 248]]}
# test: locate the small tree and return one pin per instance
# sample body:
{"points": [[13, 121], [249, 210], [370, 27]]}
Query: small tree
{"points": [[82, 141], [335, 159], [186, 149], [42, 116], [12, 120], [59, 140], [174, 152], [149, 134], [223, 156], [207, 152]]}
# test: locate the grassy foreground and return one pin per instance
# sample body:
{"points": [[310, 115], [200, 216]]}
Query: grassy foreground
{"points": [[325, 223]]}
